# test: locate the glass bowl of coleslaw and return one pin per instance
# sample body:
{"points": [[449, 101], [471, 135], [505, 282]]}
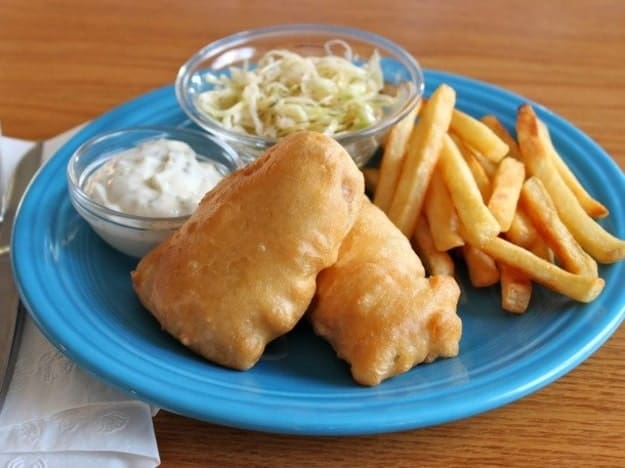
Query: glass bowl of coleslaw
{"points": [[254, 87]]}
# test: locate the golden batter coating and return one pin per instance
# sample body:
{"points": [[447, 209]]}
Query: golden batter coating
{"points": [[241, 271], [377, 309]]}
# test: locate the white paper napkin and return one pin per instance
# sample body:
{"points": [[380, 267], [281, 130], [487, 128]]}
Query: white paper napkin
{"points": [[55, 414]]}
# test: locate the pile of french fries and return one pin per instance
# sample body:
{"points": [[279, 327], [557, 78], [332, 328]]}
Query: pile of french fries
{"points": [[465, 189]]}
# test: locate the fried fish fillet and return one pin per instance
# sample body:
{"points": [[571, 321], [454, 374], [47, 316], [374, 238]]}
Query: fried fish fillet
{"points": [[377, 309], [241, 271]]}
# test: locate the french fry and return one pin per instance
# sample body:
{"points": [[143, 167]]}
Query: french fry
{"points": [[461, 182], [593, 207], [506, 189], [479, 223], [522, 232], [441, 214], [599, 243], [394, 150], [421, 158], [578, 287], [482, 269], [372, 179], [541, 249], [489, 167], [478, 136], [435, 261], [482, 179], [497, 127], [516, 289], [540, 208]]}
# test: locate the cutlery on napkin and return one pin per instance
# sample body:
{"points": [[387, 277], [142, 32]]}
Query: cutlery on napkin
{"points": [[11, 317], [57, 415]]}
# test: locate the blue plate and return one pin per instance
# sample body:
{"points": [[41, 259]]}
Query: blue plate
{"points": [[79, 293]]}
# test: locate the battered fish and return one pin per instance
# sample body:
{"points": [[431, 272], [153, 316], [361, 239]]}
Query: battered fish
{"points": [[377, 309], [241, 271]]}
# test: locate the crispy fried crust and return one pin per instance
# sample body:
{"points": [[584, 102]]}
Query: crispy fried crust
{"points": [[241, 271], [377, 309]]}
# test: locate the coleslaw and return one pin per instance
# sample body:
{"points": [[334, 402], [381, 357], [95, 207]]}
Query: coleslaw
{"points": [[286, 92]]}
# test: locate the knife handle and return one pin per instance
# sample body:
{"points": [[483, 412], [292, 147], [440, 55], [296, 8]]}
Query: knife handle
{"points": [[10, 326]]}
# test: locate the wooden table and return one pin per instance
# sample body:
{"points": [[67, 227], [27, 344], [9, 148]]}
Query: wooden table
{"points": [[64, 62]]}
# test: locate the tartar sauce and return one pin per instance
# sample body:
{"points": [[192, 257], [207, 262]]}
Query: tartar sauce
{"points": [[159, 178]]}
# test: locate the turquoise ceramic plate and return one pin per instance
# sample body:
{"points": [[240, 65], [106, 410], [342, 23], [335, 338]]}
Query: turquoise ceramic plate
{"points": [[78, 291]]}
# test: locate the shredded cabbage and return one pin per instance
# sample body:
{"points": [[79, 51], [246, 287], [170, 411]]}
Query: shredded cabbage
{"points": [[286, 92]]}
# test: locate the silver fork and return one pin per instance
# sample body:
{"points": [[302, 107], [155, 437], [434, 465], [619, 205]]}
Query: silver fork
{"points": [[11, 309]]}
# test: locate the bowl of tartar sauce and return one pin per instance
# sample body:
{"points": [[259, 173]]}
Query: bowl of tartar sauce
{"points": [[138, 185]]}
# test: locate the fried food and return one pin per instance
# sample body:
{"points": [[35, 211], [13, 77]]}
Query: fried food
{"points": [[480, 224], [593, 207], [497, 127], [393, 157], [534, 145], [437, 262], [516, 289], [522, 232], [420, 160], [508, 229], [241, 271], [506, 190], [441, 215], [482, 268], [478, 136], [482, 178], [377, 309], [578, 287], [544, 214]]}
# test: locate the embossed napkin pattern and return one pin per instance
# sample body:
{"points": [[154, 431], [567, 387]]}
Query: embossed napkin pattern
{"points": [[57, 415]]}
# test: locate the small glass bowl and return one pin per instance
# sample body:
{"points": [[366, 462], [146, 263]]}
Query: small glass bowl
{"points": [[131, 234], [401, 74]]}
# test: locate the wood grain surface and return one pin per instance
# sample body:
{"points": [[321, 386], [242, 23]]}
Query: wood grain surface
{"points": [[63, 62]]}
